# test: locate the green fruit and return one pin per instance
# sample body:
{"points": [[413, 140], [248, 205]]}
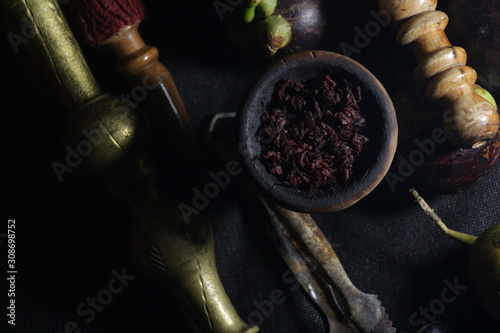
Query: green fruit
{"points": [[484, 260], [484, 268], [485, 94], [273, 33]]}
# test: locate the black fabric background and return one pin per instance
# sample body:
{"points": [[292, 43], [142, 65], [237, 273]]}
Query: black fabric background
{"points": [[71, 236]]}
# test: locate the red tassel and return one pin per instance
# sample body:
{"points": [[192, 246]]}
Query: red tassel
{"points": [[100, 20]]}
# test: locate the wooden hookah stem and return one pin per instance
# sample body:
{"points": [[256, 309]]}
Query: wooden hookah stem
{"points": [[468, 119], [140, 64]]}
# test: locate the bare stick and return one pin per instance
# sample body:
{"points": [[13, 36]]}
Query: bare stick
{"points": [[464, 238]]}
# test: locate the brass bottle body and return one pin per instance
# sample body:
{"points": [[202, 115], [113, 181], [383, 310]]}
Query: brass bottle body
{"points": [[121, 162], [179, 255]]}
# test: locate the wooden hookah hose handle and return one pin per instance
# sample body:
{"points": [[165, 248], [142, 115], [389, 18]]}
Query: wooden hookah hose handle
{"points": [[468, 119], [139, 64]]}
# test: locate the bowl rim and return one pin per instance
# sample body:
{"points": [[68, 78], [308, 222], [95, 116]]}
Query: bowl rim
{"points": [[254, 104]]}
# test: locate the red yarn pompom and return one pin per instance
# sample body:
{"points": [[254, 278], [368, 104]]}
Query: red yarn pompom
{"points": [[100, 20]]}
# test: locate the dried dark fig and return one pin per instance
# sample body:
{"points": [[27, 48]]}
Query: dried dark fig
{"points": [[426, 159]]}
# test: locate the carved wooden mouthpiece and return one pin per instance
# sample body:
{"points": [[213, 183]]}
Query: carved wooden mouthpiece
{"points": [[469, 120]]}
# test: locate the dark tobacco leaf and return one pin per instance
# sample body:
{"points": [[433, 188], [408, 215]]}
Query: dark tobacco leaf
{"points": [[316, 132]]}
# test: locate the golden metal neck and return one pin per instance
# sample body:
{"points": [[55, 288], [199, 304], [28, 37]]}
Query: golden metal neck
{"points": [[47, 37]]}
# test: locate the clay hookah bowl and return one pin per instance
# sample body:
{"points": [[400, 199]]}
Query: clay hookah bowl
{"points": [[381, 129]]}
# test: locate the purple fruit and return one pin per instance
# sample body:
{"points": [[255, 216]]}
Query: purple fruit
{"points": [[271, 28], [308, 19], [474, 26]]}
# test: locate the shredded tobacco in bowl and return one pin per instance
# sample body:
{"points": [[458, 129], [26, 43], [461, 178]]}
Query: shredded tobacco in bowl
{"points": [[312, 132]]}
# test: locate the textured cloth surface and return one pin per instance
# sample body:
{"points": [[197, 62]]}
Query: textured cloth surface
{"points": [[71, 238]]}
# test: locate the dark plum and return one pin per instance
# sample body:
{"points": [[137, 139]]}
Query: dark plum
{"points": [[309, 21], [274, 28], [426, 159], [474, 26]]}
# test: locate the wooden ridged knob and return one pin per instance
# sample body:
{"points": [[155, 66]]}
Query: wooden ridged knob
{"points": [[468, 119], [439, 60]]}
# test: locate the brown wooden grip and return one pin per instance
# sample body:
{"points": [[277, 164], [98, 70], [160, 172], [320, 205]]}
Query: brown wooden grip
{"points": [[139, 64]]}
